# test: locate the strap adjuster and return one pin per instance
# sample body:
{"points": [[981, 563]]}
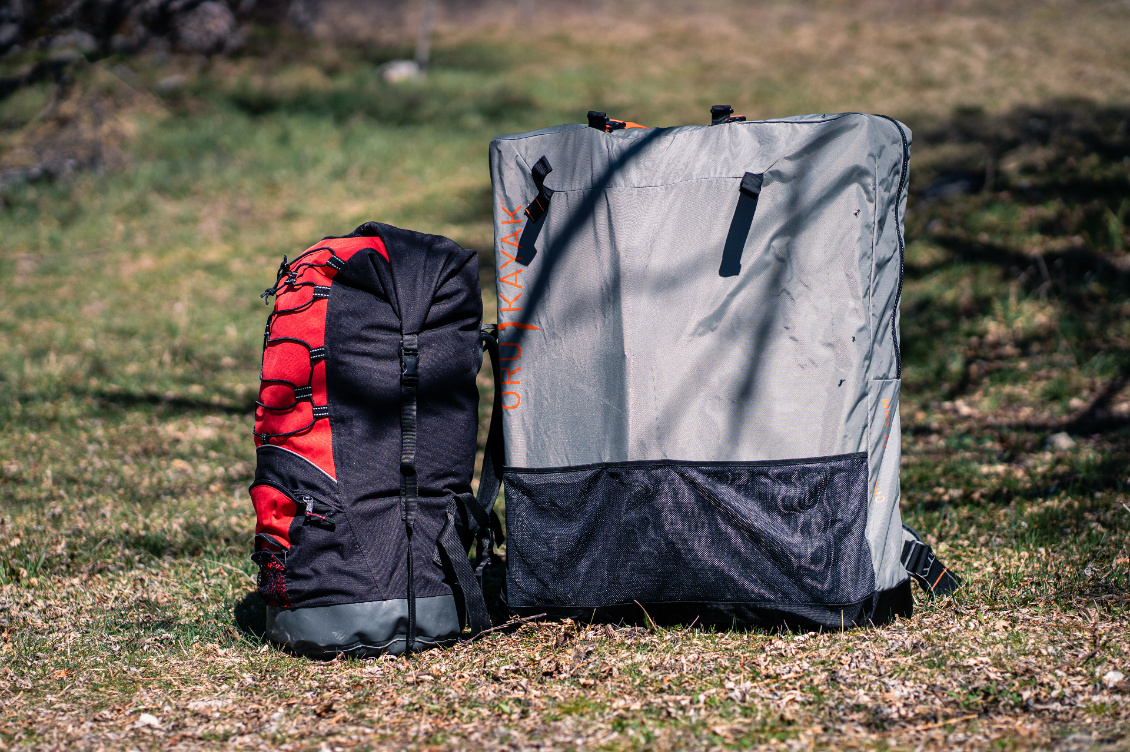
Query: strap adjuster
{"points": [[409, 360], [923, 565]]}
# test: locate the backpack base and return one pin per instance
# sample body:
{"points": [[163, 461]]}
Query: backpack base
{"points": [[881, 608], [364, 630]]}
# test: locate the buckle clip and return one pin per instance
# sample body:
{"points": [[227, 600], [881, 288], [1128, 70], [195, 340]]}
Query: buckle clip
{"points": [[409, 363]]}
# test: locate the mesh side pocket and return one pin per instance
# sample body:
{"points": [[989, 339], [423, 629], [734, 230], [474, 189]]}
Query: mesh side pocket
{"points": [[271, 579], [773, 533]]}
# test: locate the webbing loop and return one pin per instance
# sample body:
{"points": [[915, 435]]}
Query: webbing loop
{"points": [[540, 205]]}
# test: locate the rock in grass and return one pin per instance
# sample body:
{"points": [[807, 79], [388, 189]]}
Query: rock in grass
{"points": [[207, 29], [1060, 442], [396, 71]]}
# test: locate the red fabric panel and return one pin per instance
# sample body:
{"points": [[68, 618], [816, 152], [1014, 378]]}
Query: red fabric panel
{"points": [[274, 511], [346, 247], [299, 316]]}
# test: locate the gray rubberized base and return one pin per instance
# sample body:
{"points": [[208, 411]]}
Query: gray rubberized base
{"points": [[361, 630]]}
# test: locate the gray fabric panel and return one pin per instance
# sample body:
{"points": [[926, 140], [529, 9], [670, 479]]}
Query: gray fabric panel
{"points": [[884, 523], [635, 347], [364, 628]]}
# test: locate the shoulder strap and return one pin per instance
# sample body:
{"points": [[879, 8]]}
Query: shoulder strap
{"points": [[921, 563], [476, 516]]}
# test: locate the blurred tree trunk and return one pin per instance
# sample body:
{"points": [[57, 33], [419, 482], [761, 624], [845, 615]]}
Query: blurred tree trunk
{"points": [[424, 40]]}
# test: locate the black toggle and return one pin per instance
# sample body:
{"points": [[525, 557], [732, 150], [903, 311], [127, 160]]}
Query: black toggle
{"points": [[598, 120]]}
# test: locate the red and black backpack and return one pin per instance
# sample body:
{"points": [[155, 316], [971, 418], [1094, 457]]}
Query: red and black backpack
{"points": [[365, 433]]}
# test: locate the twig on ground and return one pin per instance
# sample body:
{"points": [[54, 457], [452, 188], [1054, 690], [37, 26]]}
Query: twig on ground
{"points": [[513, 622], [946, 722]]}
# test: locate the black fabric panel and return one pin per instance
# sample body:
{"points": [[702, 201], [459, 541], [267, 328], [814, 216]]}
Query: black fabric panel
{"points": [[324, 565], [881, 608], [784, 535], [435, 282], [293, 473]]}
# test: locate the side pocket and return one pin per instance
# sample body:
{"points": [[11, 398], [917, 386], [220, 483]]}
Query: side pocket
{"points": [[274, 515], [884, 458]]}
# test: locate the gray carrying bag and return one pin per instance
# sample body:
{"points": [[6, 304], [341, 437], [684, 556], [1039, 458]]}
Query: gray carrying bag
{"points": [[699, 341]]}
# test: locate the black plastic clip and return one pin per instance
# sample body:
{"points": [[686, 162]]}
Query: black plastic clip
{"points": [[724, 113], [409, 362]]}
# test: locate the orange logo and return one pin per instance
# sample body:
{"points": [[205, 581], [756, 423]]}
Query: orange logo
{"points": [[509, 293]]}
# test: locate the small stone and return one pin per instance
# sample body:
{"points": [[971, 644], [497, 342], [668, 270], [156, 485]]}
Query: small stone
{"points": [[395, 71], [1113, 678], [1060, 442], [74, 40], [172, 84], [148, 720], [207, 29]]}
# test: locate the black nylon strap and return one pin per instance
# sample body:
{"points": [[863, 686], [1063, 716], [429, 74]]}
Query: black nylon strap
{"points": [[455, 556], [409, 483], [482, 523], [494, 456], [921, 563], [538, 207]]}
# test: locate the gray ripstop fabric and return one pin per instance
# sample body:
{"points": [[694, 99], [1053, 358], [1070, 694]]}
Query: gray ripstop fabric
{"points": [[650, 315]]}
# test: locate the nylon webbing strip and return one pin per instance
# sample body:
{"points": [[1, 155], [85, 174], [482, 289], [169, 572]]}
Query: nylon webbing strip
{"points": [[409, 483], [921, 563], [494, 456], [538, 207], [321, 291], [456, 557]]}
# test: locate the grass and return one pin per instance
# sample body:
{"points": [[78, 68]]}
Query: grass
{"points": [[130, 330]]}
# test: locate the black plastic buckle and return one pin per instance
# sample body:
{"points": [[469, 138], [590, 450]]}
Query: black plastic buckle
{"points": [[409, 363], [602, 122], [724, 113], [720, 113]]}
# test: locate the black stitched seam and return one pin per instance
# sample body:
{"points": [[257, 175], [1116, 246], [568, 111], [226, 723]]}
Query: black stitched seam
{"points": [[690, 464]]}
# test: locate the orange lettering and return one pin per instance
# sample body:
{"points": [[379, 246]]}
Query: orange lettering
{"points": [[512, 277], [509, 303], [509, 258], [508, 241], [515, 395], [511, 214], [508, 373], [509, 344]]}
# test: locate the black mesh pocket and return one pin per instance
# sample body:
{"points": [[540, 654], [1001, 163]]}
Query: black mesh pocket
{"points": [[777, 534]]}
